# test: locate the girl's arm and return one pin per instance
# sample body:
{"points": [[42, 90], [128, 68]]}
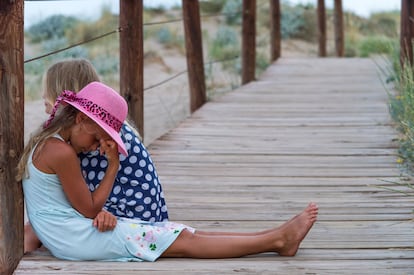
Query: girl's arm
{"points": [[63, 160]]}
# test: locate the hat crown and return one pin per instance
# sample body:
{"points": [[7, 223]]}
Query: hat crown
{"points": [[100, 103], [104, 103]]}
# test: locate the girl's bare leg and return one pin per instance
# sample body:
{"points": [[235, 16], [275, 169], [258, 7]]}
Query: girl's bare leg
{"points": [[284, 240], [31, 242], [221, 233]]}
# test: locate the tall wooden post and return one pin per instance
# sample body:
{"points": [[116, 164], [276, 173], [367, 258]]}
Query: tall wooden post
{"points": [[321, 17], [249, 41], [339, 28], [11, 133], [194, 50], [132, 59], [407, 32], [275, 35]]}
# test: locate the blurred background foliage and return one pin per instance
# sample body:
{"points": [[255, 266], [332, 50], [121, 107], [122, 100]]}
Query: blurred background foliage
{"points": [[221, 24]]}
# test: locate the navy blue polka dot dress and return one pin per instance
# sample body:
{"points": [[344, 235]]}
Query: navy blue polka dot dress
{"points": [[137, 192]]}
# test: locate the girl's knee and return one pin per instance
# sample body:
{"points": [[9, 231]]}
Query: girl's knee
{"points": [[181, 245]]}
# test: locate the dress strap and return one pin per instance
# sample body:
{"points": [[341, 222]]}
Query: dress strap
{"points": [[58, 137]]}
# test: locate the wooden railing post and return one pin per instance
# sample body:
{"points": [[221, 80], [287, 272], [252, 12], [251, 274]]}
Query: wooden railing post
{"points": [[194, 50], [249, 41], [11, 133], [339, 28], [407, 32], [321, 28], [275, 36], [132, 59]]}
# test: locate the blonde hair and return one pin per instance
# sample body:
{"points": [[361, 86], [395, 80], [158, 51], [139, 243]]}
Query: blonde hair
{"points": [[64, 119], [71, 74]]}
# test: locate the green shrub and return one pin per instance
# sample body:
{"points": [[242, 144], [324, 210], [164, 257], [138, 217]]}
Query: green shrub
{"points": [[164, 35], [52, 27], [85, 30], [291, 21], [225, 44], [232, 11], [211, 6], [401, 106], [106, 65], [60, 43], [375, 45], [306, 28], [384, 23], [170, 39], [262, 62]]}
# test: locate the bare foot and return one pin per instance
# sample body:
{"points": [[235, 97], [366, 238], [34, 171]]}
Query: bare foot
{"points": [[296, 229]]}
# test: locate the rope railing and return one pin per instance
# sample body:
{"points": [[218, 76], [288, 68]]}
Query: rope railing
{"points": [[74, 45], [120, 29]]}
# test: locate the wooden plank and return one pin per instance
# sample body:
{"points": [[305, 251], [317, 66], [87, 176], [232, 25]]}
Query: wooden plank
{"points": [[269, 264]]}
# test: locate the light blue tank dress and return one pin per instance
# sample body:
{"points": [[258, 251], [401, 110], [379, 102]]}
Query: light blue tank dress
{"points": [[70, 236]]}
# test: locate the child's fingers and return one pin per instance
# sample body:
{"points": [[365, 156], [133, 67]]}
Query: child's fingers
{"points": [[108, 147]]}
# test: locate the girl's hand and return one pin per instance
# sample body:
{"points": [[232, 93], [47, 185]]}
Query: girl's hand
{"points": [[110, 149], [104, 221]]}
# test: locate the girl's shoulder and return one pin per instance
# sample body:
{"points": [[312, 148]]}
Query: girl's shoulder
{"points": [[53, 151], [59, 148]]}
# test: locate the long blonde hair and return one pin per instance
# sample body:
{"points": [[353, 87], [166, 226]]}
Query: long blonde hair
{"points": [[64, 119], [72, 75]]}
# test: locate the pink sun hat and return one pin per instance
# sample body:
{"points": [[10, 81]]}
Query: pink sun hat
{"points": [[100, 103]]}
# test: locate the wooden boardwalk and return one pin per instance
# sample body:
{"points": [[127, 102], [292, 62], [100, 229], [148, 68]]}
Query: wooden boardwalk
{"points": [[307, 130]]}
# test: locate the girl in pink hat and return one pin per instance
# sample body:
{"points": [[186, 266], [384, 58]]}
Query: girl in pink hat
{"points": [[61, 208], [137, 191]]}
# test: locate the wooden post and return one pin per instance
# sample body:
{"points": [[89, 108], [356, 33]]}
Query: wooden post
{"points": [[275, 36], [11, 133], [339, 28], [194, 50], [132, 59], [407, 32], [249, 41], [321, 27]]}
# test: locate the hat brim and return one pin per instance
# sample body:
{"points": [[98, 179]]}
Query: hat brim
{"points": [[109, 130]]}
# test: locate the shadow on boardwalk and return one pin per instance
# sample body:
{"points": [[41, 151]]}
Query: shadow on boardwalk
{"points": [[307, 130]]}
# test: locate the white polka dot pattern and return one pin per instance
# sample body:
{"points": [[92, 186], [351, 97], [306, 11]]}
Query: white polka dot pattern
{"points": [[137, 192]]}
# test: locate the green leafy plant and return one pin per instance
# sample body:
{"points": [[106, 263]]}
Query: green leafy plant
{"points": [[232, 12], [375, 45], [52, 27]]}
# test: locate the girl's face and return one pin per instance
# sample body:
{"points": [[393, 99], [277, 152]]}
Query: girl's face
{"points": [[86, 136]]}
